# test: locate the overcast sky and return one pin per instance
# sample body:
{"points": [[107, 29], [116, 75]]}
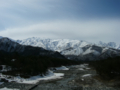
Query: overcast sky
{"points": [[90, 20]]}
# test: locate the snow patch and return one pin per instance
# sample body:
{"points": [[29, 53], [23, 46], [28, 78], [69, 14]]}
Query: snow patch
{"points": [[62, 68], [82, 79], [86, 75], [35, 79], [5, 68], [75, 51], [82, 66], [105, 49], [80, 69], [13, 60], [88, 51], [8, 89]]}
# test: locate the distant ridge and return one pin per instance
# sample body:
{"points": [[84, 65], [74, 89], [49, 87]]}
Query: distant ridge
{"points": [[75, 49]]}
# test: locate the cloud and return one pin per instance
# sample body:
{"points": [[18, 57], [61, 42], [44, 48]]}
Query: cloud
{"points": [[22, 12], [74, 19], [92, 30]]}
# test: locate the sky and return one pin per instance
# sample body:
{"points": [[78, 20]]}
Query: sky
{"points": [[89, 20]]}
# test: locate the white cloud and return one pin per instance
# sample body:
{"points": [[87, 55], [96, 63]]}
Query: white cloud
{"points": [[92, 30], [21, 19]]}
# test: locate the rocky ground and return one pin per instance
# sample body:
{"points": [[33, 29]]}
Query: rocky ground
{"points": [[78, 77]]}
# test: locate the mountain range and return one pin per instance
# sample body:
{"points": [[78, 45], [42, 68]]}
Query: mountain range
{"points": [[75, 49], [9, 46], [109, 44]]}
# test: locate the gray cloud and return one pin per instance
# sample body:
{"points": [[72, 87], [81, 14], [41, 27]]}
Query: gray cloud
{"points": [[92, 30], [90, 20]]}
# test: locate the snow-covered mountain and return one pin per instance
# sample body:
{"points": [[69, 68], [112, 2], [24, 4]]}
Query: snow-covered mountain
{"points": [[73, 49], [54, 44], [109, 44], [10, 46]]}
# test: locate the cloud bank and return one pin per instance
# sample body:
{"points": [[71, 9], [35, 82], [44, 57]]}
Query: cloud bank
{"points": [[92, 30], [90, 20]]}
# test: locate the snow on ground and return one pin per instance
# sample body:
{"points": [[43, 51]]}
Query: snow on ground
{"points": [[82, 79], [7, 89], [5, 68], [35, 79], [86, 75], [62, 68], [83, 67], [80, 69]]}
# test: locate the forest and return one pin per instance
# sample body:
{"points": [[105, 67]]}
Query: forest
{"points": [[26, 66], [107, 69]]}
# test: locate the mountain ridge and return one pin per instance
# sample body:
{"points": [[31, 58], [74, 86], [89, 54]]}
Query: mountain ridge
{"points": [[10, 46], [73, 49]]}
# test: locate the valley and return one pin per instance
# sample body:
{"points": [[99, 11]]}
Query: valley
{"points": [[35, 64], [59, 45], [78, 77]]}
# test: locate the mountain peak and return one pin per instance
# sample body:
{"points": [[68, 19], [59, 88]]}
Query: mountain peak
{"points": [[53, 44], [109, 44]]}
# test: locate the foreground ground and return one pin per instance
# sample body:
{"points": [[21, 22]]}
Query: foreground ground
{"points": [[78, 77]]}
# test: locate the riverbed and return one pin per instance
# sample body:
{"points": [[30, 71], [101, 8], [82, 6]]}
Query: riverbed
{"points": [[77, 77]]}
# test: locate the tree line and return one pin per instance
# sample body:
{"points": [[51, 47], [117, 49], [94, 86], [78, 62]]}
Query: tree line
{"points": [[27, 66], [108, 69]]}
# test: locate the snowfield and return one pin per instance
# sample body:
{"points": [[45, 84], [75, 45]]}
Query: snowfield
{"points": [[34, 79]]}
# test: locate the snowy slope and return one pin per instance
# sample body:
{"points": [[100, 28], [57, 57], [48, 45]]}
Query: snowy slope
{"points": [[10, 46], [109, 44], [74, 49], [61, 44], [56, 44]]}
